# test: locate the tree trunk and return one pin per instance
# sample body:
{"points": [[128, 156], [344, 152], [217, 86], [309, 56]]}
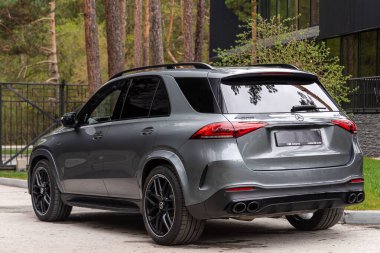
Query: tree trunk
{"points": [[137, 34], [156, 30], [115, 45], [123, 23], [169, 34], [199, 31], [254, 32], [187, 30], [53, 53], [146, 46], [92, 46]]}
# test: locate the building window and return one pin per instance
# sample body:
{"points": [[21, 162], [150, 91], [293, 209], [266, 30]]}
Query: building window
{"points": [[282, 8], [304, 10], [273, 8], [367, 53], [334, 45], [349, 57]]}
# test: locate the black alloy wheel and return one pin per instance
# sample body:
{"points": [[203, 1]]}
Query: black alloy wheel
{"points": [[46, 196], [41, 191], [165, 215], [160, 205]]}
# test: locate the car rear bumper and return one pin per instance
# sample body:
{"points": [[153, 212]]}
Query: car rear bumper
{"points": [[262, 202]]}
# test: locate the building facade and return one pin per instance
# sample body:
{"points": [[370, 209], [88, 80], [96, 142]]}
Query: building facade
{"points": [[350, 28]]}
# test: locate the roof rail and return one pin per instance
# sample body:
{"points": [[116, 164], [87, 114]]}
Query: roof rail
{"points": [[197, 65], [276, 65]]}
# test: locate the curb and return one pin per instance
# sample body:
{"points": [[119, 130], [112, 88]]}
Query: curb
{"points": [[14, 182], [361, 217], [349, 217]]}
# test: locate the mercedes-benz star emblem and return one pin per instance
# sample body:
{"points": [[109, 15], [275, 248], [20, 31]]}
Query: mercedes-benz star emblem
{"points": [[299, 117]]}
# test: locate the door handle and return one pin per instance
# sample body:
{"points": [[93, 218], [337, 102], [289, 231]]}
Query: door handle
{"points": [[97, 136], [147, 131]]}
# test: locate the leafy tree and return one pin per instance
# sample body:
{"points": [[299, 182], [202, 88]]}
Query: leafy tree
{"points": [[280, 42]]}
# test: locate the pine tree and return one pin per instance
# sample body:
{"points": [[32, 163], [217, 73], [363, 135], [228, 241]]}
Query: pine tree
{"points": [[138, 46], [199, 31], [92, 45], [187, 13], [115, 47], [156, 30]]}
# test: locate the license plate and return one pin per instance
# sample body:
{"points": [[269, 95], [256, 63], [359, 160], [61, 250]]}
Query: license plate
{"points": [[298, 138]]}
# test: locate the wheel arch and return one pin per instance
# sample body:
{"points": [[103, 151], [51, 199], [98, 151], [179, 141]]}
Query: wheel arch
{"points": [[43, 154], [166, 158]]}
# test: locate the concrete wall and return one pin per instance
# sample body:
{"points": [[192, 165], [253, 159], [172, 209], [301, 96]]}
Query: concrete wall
{"points": [[369, 133]]}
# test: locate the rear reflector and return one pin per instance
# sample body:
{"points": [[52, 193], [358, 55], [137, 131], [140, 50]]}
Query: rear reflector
{"points": [[239, 189], [346, 124], [223, 130], [357, 180]]}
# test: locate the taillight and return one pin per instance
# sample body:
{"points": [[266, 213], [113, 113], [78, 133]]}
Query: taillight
{"points": [[222, 130], [346, 124], [239, 189], [357, 180]]}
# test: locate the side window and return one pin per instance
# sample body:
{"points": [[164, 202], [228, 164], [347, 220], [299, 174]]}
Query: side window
{"points": [[160, 105], [199, 94], [139, 98], [101, 107]]}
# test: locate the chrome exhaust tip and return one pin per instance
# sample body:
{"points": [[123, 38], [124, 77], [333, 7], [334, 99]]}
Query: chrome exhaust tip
{"points": [[351, 198], [253, 206], [239, 207], [360, 197]]}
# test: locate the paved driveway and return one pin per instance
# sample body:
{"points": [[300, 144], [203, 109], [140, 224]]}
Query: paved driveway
{"points": [[99, 231]]}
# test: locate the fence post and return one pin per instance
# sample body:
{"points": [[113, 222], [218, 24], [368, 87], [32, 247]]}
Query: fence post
{"points": [[1, 123], [62, 98]]}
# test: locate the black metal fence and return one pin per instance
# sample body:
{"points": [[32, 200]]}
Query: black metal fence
{"points": [[366, 95], [30, 110]]}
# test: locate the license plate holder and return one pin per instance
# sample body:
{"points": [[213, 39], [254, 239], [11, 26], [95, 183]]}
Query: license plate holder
{"points": [[298, 138]]}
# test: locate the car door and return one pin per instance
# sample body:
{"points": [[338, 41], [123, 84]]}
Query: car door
{"points": [[81, 152], [132, 138]]}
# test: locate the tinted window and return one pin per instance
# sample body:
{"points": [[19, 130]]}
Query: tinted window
{"points": [[139, 98], [104, 105], [198, 92], [250, 96], [160, 105]]}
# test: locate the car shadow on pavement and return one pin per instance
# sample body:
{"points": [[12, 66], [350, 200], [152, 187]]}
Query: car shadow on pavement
{"points": [[221, 234]]}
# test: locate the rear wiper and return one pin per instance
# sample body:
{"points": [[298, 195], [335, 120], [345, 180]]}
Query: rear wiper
{"points": [[298, 108]]}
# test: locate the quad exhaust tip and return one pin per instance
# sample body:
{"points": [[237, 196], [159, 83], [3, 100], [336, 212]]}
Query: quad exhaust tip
{"points": [[239, 207], [253, 206], [360, 197], [351, 198]]}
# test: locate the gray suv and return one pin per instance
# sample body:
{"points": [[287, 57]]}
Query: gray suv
{"points": [[183, 143]]}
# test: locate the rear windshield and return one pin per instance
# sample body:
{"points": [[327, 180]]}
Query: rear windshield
{"points": [[252, 96]]}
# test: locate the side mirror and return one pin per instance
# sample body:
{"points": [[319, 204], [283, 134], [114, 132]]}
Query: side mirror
{"points": [[69, 119]]}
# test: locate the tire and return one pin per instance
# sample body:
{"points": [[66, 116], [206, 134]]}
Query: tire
{"points": [[320, 220], [177, 224], [43, 189]]}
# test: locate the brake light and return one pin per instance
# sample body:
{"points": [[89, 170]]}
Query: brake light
{"points": [[239, 189], [223, 130], [346, 124], [357, 180]]}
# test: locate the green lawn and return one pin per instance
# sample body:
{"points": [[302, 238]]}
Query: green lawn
{"points": [[13, 174], [371, 186], [371, 175]]}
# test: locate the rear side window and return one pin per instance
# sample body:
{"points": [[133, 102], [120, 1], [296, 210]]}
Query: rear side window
{"points": [[160, 105], [199, 94], [139, 98], [247, 95]]}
